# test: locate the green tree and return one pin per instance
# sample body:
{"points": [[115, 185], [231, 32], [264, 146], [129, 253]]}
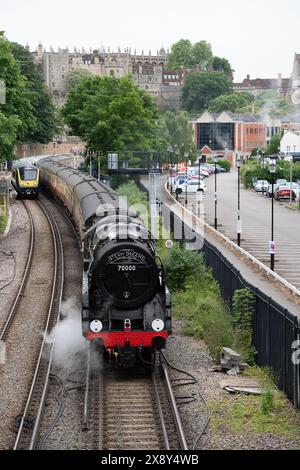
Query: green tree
{"points": [[274, 145], [202, 55], [111, 113], [16, 115], [74, 77], [180, 56], [222, 65], [177, 131], [200, 88], [233, 102], [271, 103], [43, 127]]}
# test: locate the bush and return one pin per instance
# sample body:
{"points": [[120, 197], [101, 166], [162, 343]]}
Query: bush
{"points": [[197, 299], [181, 265], [225, 164], [243, 310]]}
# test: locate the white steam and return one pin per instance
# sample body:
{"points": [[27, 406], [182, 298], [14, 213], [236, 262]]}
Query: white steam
{"points": [[69, 344]]}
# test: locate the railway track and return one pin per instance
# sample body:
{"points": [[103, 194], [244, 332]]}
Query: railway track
{"points": [[133, 410], [14, 309], [29, 423]]}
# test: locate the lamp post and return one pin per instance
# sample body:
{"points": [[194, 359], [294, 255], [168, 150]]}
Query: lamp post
{"points": [[199, 173], [186, 154], [170, 151], [216, 195], [239, 163], [272, 168]]}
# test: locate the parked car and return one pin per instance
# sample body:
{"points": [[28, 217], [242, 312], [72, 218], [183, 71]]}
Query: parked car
{"points": [[191, 185], [281, 182], [284, 192], [261, 185], [220, 169]]}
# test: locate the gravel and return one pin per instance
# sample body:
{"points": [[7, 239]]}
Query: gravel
{"points": [[25, 336], [192, 356], [13, 256]]}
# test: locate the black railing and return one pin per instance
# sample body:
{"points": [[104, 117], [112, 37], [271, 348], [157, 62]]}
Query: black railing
{"points": [[276, 332]]}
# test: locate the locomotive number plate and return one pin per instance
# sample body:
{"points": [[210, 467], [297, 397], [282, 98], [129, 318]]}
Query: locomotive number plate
{"points": [[127, 268]]}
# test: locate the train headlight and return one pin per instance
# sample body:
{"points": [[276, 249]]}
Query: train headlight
{"points": [[96, 326], [158, 325]]}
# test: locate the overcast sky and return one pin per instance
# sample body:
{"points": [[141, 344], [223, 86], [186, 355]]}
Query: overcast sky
{"points": [[258, 37]]}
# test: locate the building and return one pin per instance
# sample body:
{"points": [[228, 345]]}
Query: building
{"points": [[229, 135], [146, 69], [295, 83], [290, 145], [258, 86]]}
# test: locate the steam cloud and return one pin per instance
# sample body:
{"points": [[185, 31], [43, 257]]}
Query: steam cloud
{"points": [[69, 346]]}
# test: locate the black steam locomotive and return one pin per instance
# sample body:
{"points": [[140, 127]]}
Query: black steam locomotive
{"points": [[126, 307]]}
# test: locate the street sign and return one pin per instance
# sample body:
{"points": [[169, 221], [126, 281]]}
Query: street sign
{"points": [[272, 248]]}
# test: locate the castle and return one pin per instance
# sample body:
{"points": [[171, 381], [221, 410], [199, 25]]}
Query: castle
{"points": [[148, 71]]}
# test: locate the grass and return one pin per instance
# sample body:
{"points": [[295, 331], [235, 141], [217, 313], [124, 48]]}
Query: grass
{"points": [[3, 222], [243, 413], [269, 413]]}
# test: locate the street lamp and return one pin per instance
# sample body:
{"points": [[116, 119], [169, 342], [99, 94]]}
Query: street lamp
{"points": [[239, 163], [216, 196], [186, 154], [170, 151], [272, 169]]}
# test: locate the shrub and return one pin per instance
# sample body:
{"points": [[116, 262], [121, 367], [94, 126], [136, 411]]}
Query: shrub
{"points": [[243, 310], [180, 265], [225, 164]]}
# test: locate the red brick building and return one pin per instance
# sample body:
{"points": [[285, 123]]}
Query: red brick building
{"points": [[230, 135]]}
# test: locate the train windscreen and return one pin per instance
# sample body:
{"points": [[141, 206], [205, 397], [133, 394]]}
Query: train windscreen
{"points": [[28, 174]]}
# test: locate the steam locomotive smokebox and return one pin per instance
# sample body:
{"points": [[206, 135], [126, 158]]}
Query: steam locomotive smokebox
{"points": [[127, 273]]}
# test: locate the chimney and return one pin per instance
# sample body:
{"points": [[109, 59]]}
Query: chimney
{"points": [[248, 78]]}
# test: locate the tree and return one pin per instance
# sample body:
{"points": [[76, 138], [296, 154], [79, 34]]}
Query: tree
{"points": [[271, 103], [16, 115], [233, 102], [274, 145], [222, 65], [43, 126], [202, 55], [177, 131], [111, 113], [200, 88], [181, 55], [74, 77]]}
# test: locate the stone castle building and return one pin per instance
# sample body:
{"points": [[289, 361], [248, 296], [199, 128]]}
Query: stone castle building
{"points": [[147, 71]]}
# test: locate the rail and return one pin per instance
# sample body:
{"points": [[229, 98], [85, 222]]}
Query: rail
{"points": [[27, 438], [22, 287]]}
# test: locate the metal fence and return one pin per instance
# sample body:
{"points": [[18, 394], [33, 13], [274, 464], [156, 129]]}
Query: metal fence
{"points": [[275, 330]]}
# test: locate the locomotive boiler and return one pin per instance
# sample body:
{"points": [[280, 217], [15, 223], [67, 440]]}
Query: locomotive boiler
{"points": [[126, 306]]}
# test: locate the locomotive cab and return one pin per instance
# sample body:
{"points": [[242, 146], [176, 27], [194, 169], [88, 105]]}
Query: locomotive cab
{"points": [[25, 180]]}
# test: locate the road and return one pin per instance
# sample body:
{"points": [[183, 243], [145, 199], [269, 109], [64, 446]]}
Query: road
{"points": [[256, 224]]}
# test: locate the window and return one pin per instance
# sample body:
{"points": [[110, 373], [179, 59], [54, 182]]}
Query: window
{"points": [[217, 136], [63, 77], [251, 131], [28, 174]]}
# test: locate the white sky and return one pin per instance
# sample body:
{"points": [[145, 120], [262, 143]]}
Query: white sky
{"points": [[258, 37]]}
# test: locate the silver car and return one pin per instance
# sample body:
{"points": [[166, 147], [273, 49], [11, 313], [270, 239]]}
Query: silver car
{"points": [[261, 186]]}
